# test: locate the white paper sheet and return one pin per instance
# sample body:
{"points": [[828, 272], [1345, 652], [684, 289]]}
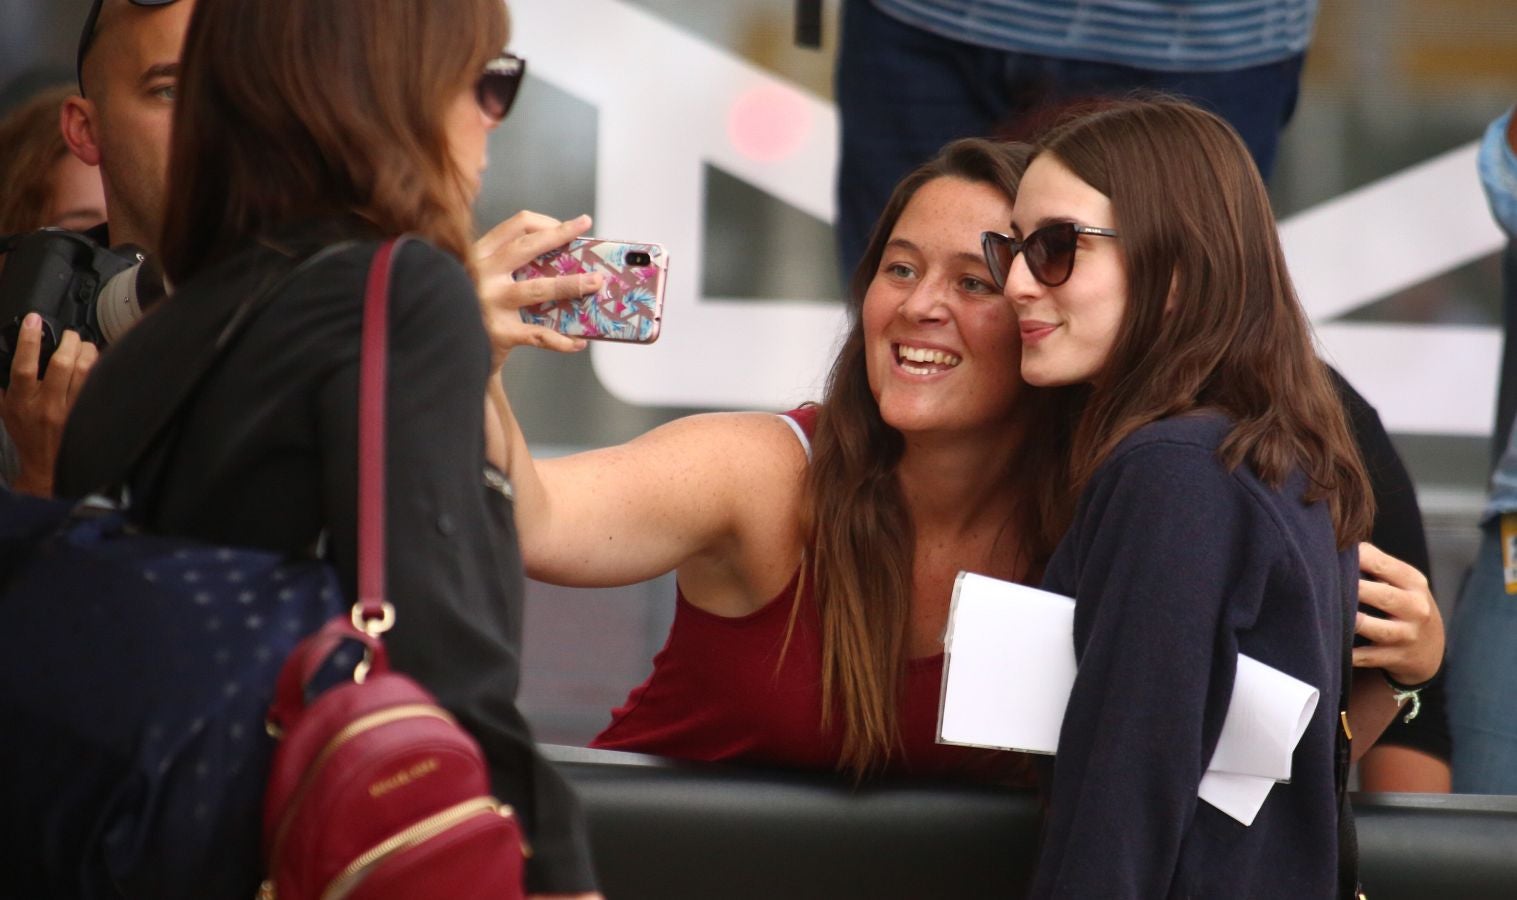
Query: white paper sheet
{"points": [[1012, 656], [1009, 667], [1265, 720], [1240, 796]]}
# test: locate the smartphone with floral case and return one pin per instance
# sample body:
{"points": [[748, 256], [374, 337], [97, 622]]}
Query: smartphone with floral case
{"points": [[628, 307]]}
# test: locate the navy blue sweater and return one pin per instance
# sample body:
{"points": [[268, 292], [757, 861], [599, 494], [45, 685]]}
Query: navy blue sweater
{"points": [[1177, 565]]}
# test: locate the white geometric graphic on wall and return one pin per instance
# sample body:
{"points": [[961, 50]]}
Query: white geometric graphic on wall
{"points": [[665, 100]]}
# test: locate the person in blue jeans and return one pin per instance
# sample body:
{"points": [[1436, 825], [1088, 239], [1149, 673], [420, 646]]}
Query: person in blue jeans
{"points": [[1482, 665], [914, 74]]}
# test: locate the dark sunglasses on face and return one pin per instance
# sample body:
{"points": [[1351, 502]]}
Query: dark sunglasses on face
{"points": [[87, 37], [498, 84], [1050, 252]]}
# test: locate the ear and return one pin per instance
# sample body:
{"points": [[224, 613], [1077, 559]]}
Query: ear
{"points": [[76, 119], [1174, 291]]}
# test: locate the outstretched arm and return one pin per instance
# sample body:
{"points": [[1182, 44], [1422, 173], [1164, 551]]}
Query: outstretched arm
{"points": [[691, 490]]}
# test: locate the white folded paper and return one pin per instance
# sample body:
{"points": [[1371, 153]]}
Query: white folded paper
{"points": [[1009, 665]]}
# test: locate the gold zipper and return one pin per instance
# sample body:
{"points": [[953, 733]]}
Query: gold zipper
{"points": [[351, 730], [419, 833]]}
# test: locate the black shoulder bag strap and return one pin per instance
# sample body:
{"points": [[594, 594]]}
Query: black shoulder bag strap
{"points": [[1349, 887], [135, 443]]}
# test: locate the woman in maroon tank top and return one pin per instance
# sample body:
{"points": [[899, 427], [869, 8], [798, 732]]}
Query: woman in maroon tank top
{"points": [[816, 552], [821, 647]]}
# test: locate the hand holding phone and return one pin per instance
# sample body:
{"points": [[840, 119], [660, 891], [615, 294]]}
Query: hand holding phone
{"points": [[507, 247], [629, 305]]}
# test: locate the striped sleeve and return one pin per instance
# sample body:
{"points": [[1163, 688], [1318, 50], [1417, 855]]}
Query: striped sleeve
{"points": [[1162, 35]]}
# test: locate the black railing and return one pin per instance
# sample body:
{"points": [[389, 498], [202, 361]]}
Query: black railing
{"points": [[669, 830]]}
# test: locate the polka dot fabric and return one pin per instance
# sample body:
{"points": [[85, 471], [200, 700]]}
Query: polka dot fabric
{"points": [[137, 671]]}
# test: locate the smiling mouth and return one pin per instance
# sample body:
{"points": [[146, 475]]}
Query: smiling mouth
{"points": [[922, 361], [1033, 332]]}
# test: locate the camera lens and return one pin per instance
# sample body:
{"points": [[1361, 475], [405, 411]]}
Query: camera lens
{"points": [[639, 258], [125, 296]]}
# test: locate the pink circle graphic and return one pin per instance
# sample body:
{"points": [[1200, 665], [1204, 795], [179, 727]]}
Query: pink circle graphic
{"points": [[769, 123]]}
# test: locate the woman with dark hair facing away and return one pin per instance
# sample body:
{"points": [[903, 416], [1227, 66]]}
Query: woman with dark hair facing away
{"points": [[303, 124], [815, 552], [1220, 500]]}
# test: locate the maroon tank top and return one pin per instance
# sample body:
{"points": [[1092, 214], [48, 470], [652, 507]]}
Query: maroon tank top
{"points": [[719, 691]]}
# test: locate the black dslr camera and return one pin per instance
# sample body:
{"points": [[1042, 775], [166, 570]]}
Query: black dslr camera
{"points": [[73, 283]]}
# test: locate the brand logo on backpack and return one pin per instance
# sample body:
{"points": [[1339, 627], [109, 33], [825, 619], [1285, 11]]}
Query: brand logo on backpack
{"points": [[404, 777]]}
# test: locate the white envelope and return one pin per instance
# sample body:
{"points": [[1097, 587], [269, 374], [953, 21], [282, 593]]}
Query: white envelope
{"points": [[1009, 665]]}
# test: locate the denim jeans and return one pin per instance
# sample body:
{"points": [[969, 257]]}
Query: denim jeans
{"points": [[1482, 676], [1482, 660], [1506, 389], [903, 93]]}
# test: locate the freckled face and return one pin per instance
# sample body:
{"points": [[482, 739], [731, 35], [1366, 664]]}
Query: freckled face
{"points": [[942, 346], [1067, 331]]}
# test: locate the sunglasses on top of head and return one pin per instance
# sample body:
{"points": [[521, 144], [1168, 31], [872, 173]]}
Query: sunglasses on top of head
{"points": [[1050, 252], [87, 36], [498, 84]]}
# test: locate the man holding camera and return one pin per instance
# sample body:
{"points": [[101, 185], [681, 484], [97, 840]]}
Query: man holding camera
{"points": [[127, 65], [122, 122]]}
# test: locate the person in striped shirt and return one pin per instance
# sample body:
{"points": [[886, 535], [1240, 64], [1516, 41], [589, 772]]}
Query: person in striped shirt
{"points": [[915, 74]]}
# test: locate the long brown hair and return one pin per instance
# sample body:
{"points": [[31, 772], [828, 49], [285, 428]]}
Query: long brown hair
{"points": [[860, 533], [31, 146], [1212, 320], [303, 109]]}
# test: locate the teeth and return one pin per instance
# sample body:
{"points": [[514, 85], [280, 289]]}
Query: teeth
{"points": [[923, 355]]}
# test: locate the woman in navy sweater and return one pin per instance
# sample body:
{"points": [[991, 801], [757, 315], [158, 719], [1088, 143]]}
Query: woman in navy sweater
{"points": [[1220, 498]]}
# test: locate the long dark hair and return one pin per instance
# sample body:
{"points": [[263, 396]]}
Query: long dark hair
{"points": [[860, 533], [304, 109], [1212, 319]]}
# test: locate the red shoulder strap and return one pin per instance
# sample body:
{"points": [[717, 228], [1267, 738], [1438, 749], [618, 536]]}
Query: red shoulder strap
{"points": [[805, 417], [373, 613]]}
